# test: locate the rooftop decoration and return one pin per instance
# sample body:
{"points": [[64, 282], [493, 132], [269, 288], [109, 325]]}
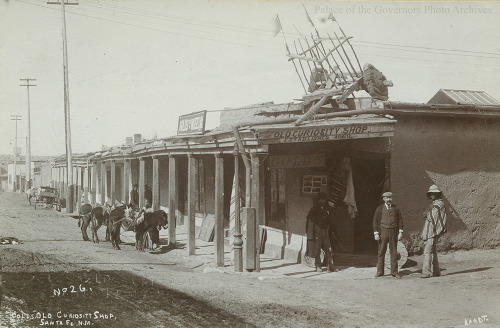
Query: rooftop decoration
{"points": [[329, 69]]}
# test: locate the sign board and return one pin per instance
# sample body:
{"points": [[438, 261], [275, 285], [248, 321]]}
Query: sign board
{"points": [[325, 133], [193, 123], [296, 161]]}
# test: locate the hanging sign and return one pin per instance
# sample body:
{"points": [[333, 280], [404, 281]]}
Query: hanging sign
{"points": [[193, 123]]}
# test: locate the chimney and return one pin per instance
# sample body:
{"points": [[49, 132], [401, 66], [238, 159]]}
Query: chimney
{"points": [[128, 141], [137, 137]]}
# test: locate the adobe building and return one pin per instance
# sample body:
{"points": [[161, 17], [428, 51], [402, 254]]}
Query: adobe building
{"points": [[453, 142], [353, 154]]}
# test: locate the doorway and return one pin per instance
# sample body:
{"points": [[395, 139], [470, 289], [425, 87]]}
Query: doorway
{"points": [[368, 179]]}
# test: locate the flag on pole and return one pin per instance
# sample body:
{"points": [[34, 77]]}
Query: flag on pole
{"points": [[277, 25]]}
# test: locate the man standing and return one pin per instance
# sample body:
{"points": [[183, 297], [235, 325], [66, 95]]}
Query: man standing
{"points": [[134, 197], [387, 229], [434, 227], [317, 224]]}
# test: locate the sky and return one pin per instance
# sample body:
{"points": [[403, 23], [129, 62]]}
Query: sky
{"points": [[135, 66]]}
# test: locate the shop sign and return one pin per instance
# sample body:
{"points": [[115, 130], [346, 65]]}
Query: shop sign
{"points": [[308, 134], [193, 123], [296, 161]]}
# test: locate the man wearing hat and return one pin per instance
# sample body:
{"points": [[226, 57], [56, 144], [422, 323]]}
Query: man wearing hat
{"points": [[387, 229], [434, 227], [317, 224]]}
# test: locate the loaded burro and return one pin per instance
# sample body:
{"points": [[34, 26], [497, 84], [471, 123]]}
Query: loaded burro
{"points": [[333, 159], [146, 224]]}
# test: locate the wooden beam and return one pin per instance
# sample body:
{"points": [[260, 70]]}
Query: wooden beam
{"points": [[191, 204], [142, 182], [219, 211], [156, 184], [172, 202]]}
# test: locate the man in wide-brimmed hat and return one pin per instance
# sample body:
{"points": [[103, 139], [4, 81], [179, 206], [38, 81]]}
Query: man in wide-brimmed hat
{"points": [[434, 227], [387, 229]]}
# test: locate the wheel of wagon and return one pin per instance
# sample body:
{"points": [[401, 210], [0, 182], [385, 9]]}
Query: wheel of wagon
{"points": [[402, 256], [373, 82]]}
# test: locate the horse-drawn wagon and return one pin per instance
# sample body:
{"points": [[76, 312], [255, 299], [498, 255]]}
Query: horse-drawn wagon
{"points": [[47, 197]]}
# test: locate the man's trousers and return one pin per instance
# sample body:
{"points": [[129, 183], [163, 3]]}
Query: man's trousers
{"points": [[431, 265], [388, 237]]}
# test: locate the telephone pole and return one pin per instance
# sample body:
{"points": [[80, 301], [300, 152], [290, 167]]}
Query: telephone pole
{"points": [[14, 183], [69, 161], [28, 145]]}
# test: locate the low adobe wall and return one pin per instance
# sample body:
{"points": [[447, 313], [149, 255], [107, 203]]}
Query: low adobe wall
{"points": [[462, 157]]}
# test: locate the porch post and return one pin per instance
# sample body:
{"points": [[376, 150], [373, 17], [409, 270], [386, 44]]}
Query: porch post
{"points": [[238, 241], [125, 184], [103, 182], [219, 211], [191, 203], [156, 184], [86, 176], [93, 189], [141, 181], [256, 205], [172, 202], [78, 193], [113, 181]]}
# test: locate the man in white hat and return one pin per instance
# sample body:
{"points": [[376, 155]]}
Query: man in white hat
{"points": [[387, 229], [434, 227]]}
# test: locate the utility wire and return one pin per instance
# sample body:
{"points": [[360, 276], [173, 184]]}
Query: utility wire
{"points": [[228, 42], [267, 32]]}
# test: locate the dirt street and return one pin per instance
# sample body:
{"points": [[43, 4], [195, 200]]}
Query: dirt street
{"points": [[54, 278]]}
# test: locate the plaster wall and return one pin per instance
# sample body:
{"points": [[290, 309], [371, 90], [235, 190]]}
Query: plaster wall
{"points": [[462, 157]]}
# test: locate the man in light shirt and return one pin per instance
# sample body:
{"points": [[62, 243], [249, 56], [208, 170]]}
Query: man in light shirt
{"points": [[387, 229]]}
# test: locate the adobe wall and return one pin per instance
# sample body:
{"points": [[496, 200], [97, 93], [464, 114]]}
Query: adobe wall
{"points": [[462, 157]]}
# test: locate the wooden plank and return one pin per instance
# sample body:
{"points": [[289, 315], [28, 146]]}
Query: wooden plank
{"points": [[191, 204], [207, 228], [156, 184], [219, 211], [172, 195]]}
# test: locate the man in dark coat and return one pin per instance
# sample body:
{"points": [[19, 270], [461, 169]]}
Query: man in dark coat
{"points": [[134, 197], [387, 229], [317, 224]]}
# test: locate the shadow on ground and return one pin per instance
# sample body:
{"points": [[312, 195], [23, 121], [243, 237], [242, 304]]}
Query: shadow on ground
{"points": [[104, 299]]}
